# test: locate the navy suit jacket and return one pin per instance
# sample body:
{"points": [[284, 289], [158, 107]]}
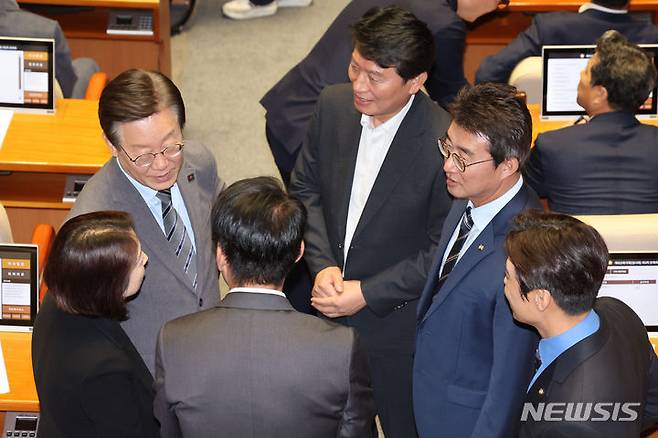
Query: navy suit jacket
{"points": [[558, 28], [291, 101], [618, 352], [473, 362], [607, 166]]}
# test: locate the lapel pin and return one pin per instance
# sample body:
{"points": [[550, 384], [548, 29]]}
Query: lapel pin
{"points": [[541, 391], [480, 247], [190, 177]]}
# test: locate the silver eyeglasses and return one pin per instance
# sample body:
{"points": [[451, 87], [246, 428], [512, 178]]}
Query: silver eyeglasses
{"points": [[446, 151], [145, 160]]}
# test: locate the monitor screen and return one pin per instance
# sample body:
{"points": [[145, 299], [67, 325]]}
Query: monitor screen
{"points": [[19, 288], [633, 279], [561, 74], [27, 74]]}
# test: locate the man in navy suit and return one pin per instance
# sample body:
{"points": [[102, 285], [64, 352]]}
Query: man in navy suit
{"points": [[473, 363], [559, 28], [596, 364], [609, 165]]}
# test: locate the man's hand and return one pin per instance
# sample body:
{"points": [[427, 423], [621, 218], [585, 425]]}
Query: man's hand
{"points": [[347, 303], [328, 282]]}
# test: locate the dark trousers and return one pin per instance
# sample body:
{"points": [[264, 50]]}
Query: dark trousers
{"points": [[284, 161], [261, 2]]}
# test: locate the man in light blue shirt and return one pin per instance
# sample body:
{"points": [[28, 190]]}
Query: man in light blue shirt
{"points": [[597, 372]]}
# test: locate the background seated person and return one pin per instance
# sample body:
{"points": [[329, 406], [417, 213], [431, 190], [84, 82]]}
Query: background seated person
{"points": [[90, 379], [73, 76], [609, 165], [592, 350], [559, 28], [253, 366]]}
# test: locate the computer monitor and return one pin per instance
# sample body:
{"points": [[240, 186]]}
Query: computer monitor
{"points": [[632, 277], [560, 76], [19, 287], [27, 76]]}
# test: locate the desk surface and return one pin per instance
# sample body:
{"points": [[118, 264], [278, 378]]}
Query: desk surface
{"points": [[129, 4], [70, 141], [22, 395], [567, 5]]}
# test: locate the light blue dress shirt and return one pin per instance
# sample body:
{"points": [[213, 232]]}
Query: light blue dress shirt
{"points": [[551, 348]]}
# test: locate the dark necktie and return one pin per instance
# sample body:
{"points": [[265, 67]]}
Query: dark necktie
{"points": [[177, 236], [537, 360], [464, 228]]}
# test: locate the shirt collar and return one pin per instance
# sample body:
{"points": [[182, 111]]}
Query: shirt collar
{"points": [[391, 124], [551, 348], [593, 6], [483, 214], [258, 290]]}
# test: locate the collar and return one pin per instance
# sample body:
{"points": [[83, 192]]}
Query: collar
{"points": [[257, 290], [483, 214], [146, 192], [8, 5], [595, 7], [551, 348], [392, 124]]}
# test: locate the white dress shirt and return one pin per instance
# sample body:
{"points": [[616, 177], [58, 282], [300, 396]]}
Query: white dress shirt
{"points": [[588, 6], [374, 144], [257, 290]]}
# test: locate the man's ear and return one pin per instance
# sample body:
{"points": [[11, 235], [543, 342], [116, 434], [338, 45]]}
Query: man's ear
{"points": [[542, 299], [509, 166], [114, 151], [221, 259], [301, 252], [415, 84]]}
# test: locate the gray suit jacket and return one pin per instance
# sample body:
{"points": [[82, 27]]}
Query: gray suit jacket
{"points": [[392, 248], [166, 292], [254, 367], [17, 23]]}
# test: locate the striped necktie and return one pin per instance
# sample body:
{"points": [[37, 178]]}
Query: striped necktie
{"points": [[464, 228], [177, 236]]}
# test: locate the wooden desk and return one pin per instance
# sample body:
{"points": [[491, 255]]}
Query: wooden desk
{"points": [[539, 126], [491, 33], [22, 395], [85, 30], [38, 152]]}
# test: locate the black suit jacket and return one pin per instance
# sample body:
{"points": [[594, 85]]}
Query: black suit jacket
{"points": [[607, 166], [391, 250], [289, 104], [615, 364], [90, 379], [558, 28]]}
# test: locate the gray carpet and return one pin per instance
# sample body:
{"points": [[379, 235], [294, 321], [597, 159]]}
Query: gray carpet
{"points": [[223, 68]]}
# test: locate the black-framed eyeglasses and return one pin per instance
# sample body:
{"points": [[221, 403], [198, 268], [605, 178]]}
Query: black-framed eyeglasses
{"points": [[446, 151], [145, 160]]}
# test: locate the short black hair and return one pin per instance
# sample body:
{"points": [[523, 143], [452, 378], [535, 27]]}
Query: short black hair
{"points": [[136, 94], [612, 4], [259, 228], [394, 37], [624, 69], [89, 266], [560, 254], [496, 113]]}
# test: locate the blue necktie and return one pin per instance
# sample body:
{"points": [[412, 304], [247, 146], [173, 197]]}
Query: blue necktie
{"points": [[464, 228]]}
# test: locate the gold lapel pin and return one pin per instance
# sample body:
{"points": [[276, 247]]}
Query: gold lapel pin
{"points": [[481, 247], [541, 391]]}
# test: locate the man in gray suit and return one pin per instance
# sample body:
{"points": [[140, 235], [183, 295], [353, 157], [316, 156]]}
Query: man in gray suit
{"points": [[168, 186], [253, 366], [370, 176]]}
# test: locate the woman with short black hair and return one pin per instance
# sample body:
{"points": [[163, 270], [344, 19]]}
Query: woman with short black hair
{"points": [[90, 379]]}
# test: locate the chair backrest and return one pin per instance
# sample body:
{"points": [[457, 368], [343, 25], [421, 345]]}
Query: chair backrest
{"points": [[5, 228], [626, 232], [43, 236], [527, 76]]}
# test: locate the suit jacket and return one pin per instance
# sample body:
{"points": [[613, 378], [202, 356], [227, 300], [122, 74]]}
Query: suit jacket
{"points": [[166, 292], [289, 104], [558, 28], [255, 367], [90, 379], [473, 362], [17, 23], [607, 166], [616, 364], [391, 250]]}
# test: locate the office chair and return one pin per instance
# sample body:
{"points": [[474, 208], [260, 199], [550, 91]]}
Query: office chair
{"points": [[527, 77]]}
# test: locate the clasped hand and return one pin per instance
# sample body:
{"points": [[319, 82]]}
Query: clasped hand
{"points": [[334, 296]]}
